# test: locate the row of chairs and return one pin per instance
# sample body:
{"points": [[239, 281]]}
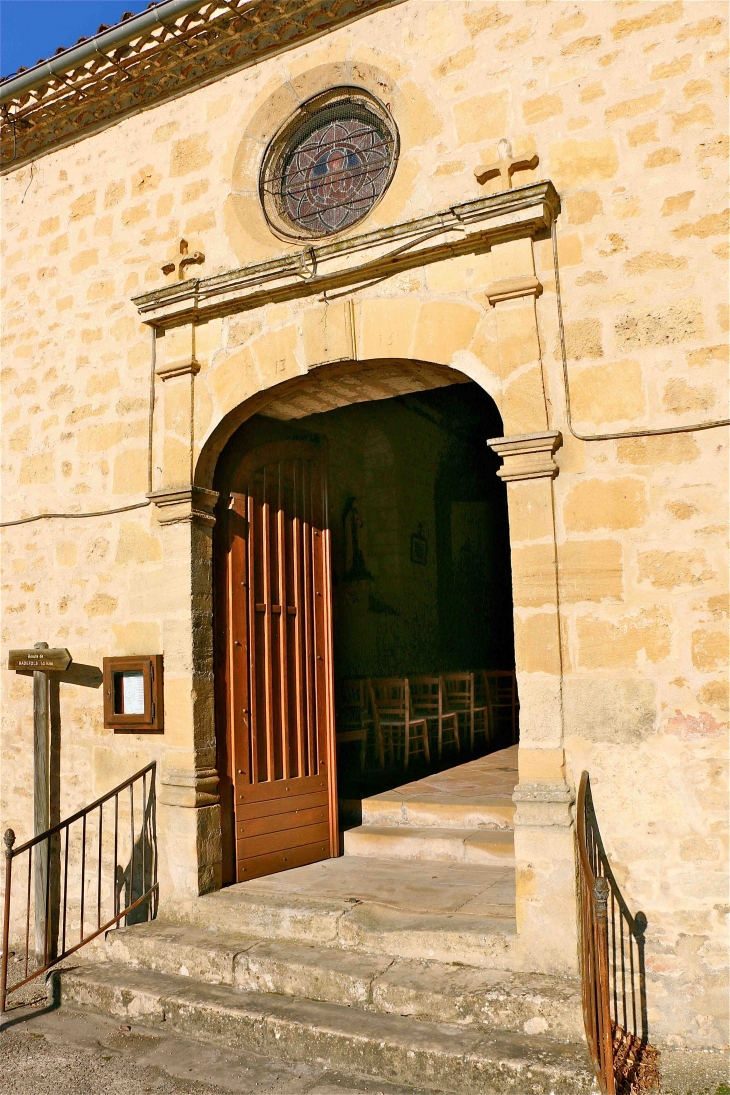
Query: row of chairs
{"points": [[400, 718]]}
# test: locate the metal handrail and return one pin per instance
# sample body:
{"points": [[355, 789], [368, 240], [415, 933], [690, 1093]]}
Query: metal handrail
{"points": [[50, 903], [612, 961]]}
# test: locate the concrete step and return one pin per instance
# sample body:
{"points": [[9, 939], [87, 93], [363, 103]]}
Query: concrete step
{"points": [[390, 1047], [486, 846], [439, 811], [435, 991]]}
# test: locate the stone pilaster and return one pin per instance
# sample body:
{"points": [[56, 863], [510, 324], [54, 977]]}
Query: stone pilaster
{"points": [[512, 296], [177, 367], [544, 839], [189, 812]]}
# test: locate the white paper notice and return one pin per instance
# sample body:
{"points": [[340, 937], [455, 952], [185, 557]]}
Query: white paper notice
{"points": [[133, 693]]}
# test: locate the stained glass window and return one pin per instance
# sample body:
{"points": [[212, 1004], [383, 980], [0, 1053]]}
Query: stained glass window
{"points": [[333, 169]]}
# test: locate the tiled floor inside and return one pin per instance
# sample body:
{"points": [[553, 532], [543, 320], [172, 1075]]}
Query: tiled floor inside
{"points": [[484, 781]]}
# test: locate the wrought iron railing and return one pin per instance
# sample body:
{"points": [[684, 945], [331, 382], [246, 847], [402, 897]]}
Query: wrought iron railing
{"points": [[104, 856], [612, 967]]}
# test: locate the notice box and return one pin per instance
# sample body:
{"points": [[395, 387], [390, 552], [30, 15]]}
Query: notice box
{"points": [[133, 694]]}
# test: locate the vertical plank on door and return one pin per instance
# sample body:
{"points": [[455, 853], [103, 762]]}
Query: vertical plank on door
{"points": [[281, 596], [298, 615], [250, 578], [308, 618], [267, 651], [237, 642], [320, 686]]}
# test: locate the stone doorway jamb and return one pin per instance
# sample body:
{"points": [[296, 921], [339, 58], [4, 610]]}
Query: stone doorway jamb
{"points": [[544, 840]]}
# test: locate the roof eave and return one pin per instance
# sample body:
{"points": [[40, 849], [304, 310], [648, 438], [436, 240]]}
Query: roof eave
{"points": [[77, 56]]}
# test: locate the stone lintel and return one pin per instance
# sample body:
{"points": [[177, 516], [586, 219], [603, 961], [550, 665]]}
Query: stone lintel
{"points": [[543, 804], [189, 788], [192, 504], [526, 285], [178, 368], [476, 225], [527, 456]]}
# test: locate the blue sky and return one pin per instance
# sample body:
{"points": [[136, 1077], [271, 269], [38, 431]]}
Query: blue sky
{"points": [[34, 29]]}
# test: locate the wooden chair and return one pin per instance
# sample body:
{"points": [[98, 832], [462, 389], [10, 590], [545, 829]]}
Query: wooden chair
{"points": [[459, 691], [395, 724], [500, 688], [427, 697], [353, 718]]}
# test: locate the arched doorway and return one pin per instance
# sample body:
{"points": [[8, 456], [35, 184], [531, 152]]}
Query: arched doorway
{"points": [[363, 542]]}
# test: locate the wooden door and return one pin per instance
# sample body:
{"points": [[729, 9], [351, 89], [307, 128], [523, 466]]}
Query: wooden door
{"points": [[281, 762]]}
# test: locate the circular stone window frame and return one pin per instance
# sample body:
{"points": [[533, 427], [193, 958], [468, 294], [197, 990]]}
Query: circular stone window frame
{"points": [[281, 144]]}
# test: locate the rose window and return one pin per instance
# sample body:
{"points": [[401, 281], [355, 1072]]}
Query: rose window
{"points": [[330, 169]]}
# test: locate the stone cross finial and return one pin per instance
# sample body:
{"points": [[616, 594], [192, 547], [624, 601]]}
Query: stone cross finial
{"points": [[186, 260], [505, 166]]}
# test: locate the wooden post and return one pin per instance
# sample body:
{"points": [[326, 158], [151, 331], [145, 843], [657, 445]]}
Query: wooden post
{"points": [[41, 816]]}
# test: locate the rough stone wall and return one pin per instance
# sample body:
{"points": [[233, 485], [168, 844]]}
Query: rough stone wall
{"points": [[625, 105]]}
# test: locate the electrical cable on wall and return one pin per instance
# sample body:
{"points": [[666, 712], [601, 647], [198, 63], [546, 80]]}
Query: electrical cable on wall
{"points": [[694, 427]]}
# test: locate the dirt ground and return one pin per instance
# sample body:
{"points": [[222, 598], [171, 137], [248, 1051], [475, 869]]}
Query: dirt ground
{"points": [[46, 1050]]}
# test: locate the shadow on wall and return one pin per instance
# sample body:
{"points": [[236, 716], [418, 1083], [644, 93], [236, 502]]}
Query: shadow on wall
{"points": [[139, 878]]}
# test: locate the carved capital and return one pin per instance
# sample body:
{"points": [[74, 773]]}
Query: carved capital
{"points": [[527, 456], [547, 805], [526, 285], [191, 504], [178, 368], [189, 788]]}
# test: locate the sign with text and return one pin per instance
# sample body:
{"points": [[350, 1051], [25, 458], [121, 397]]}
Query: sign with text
{"points": [[54, 659]]}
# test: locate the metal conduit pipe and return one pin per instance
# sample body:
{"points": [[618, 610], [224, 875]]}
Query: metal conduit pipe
{"points": [[163, 14]]}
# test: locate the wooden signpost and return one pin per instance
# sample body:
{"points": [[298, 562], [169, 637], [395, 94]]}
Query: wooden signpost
{"points": [[42, 658], [40, 661]]}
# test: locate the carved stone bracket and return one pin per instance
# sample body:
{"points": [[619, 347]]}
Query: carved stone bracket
{"points": [[179, 504], [189, 787], [513, 288], [178, 368], [527, 456]]}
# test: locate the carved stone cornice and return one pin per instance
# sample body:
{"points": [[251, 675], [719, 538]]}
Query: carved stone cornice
{"points": [[527, 456], [185, 504], [189, 787], [471, 226], [512, 288], [90, 89]]}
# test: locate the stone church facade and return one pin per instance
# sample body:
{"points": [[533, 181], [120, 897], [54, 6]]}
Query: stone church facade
{"points": [[583, 288]]}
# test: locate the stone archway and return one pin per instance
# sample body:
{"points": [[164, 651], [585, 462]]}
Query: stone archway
{"points": [[383, 647]]}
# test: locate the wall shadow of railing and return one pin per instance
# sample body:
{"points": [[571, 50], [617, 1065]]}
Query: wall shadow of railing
{"points": [[84, 875], [613, 971], [138, 882]]}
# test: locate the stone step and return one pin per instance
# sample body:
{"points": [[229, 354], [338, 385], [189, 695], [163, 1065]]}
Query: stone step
{"points": [[446, 912], [389, 1047], [484, 941], [439, 811], [439, 992], [485, 846]]}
